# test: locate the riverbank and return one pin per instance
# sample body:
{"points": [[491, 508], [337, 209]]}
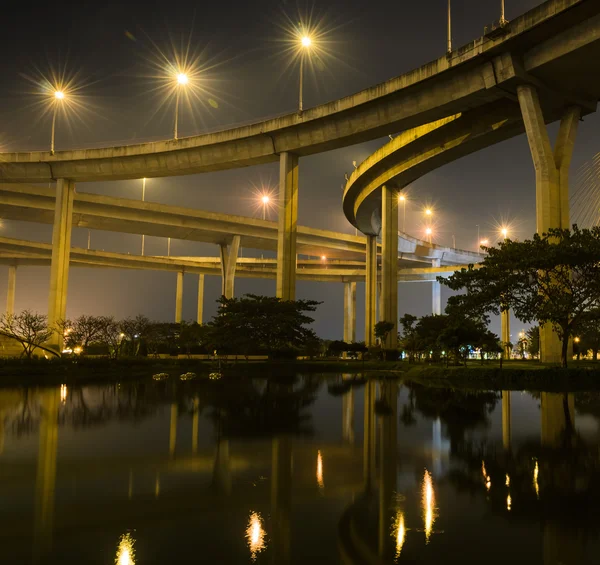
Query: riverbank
{"points": [[514, 375], [87, 370]]}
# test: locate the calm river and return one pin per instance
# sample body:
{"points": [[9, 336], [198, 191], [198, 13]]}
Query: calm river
{"points": [[321, 470]]}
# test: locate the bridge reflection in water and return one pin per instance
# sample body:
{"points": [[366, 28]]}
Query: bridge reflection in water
{"points": [[267, 478]]}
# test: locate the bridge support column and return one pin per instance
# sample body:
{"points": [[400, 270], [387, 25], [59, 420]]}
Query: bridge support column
{"points": [[436, 292], [552, 183], [61, 249], [350, 312], [200, 315], [288, 225], [229, 254], [179, 297], [505, 332], [389, 263], [11, 288], [370, 290]]}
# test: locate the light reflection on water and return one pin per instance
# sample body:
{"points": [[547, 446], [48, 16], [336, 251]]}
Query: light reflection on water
{"points": [[104, 459]]}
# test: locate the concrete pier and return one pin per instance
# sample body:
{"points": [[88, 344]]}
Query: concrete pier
{"points": [[179, 297], [350, 312], [229, 254], [436, 292], [389, 263], [552, 182], [200, 314], [61, 248], [11, 289], [505, 332], [370, 290], [288, 226]]}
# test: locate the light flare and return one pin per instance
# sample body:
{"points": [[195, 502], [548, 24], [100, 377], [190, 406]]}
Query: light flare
{"points": [[399, 532], [125, 551], [428, 502], [320, 481], [255, 535], [63, 393]]}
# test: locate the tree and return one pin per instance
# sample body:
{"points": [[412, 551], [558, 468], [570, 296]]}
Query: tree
{"points": [[409, 340], [589, 334], [82, 331], [533, 341], [382, 330], [553, 279], [29, 329], [110, 334], [261, 324]]}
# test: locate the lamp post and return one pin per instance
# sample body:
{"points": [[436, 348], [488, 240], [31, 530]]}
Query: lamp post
{"points": [[429, 232], [59, 95], [265, 201], [182, 80], [305, 42]]}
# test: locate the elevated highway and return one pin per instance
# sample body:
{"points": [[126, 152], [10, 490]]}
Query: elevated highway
{"points": [[539, 68], [552, 42]]}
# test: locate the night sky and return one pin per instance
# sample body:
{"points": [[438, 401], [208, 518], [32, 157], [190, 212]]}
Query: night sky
{"points": [[112, 50]]}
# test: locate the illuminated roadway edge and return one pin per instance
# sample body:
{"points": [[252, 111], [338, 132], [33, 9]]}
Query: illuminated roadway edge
{"points": [[476, 75], [92, 211], [27, 253]]}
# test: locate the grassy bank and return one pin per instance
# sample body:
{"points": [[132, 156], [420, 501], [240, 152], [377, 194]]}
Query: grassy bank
{"points": [[514, 375], [87, 370]]}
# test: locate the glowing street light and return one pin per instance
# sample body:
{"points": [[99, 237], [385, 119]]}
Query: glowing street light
{"points": [[306, 43], [504, 232], [428, 233], [265, 202], [428, 211], [182, 81], [323, 257], [484, 241], [59, 96]]}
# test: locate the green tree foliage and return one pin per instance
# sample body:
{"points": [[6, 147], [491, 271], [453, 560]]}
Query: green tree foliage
{"points": [[589, 334], [533, 341], [382, 330], [31, 330], [262, 324], [409, 339], [553, 278]]}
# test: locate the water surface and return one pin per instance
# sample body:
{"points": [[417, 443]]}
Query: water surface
{"points": [[318, 470]]}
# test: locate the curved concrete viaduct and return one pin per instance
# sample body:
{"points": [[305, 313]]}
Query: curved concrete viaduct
{"points": [[472, 76], [524, 74]]}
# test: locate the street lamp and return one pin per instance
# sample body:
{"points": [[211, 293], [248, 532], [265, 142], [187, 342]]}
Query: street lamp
{"points": [[305, 43], [265, 202], [484, 242], [182, 80], [504, 232], [429, 232], [59, 95], [402, 199]]}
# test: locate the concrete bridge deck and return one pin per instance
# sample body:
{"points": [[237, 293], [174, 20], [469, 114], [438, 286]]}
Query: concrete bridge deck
{"points": [[483, 72]]}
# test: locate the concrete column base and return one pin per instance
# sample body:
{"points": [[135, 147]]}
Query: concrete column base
{"points": [[389, 263], [370, 290], [10, 290], [200, 299], [61, 250], [288, 225], [179, 298], [229, 254]]}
